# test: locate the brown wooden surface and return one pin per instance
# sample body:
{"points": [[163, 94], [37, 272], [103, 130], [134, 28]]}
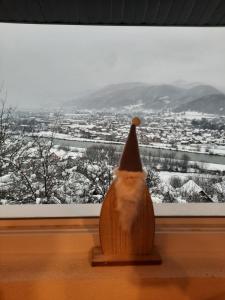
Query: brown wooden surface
{"points": [[115, 241], [101, 259], [50, 259]]}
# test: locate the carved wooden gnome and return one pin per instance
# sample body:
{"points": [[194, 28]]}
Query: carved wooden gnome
{"points": [[127, 223]]}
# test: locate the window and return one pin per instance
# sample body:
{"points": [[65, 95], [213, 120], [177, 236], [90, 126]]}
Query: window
{"points": [[68, 94]]}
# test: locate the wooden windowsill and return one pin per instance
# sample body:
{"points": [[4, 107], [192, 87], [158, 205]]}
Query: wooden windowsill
{"points": [[50, 259]]}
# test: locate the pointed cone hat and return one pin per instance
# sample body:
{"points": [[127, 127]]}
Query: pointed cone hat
{"points": [[130, 159]]}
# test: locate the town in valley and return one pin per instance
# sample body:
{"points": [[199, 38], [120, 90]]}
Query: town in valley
{"points": [[69, 157]]}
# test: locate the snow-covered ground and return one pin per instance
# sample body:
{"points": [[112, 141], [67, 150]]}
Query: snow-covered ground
{"points": [[166, 176], [67, 137], [193, 115], [213, 167], [72, 152], [164, 189], [192, 148]]}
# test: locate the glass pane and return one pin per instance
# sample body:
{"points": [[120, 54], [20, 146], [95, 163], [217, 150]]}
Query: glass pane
{"points": [[68, 94]]}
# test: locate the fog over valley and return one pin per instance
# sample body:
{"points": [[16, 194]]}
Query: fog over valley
{"points": [[47, 65]]}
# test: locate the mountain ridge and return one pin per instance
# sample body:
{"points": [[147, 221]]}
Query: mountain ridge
{"points": [[206, 104], [156, 97]]}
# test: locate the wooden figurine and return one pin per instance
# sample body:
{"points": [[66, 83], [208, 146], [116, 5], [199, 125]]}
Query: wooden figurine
{"points": [[127, 223]]}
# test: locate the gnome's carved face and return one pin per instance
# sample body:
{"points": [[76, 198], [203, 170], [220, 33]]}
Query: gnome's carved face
{"points": [[129, 188]]}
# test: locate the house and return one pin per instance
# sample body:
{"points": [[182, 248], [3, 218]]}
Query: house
{"points": [[194, 192]]}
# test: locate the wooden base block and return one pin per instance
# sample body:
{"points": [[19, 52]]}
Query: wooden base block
{"points": [[99, 259]]}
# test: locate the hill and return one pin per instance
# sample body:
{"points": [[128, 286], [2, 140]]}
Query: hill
{"points": [[142, 96], [211, 104]]}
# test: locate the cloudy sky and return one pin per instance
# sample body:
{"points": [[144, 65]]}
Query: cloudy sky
{"points": [[42, 64]]}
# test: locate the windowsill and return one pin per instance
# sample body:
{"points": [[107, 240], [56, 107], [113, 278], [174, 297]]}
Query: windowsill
{"points": [[50, 259], [93, 210]]}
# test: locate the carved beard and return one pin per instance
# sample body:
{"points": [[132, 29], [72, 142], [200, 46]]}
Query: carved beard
{"points": [[129, 188]]}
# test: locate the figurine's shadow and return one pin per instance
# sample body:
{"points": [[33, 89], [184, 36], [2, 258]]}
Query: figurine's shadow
{"points": [[219, 296], [171, 280], [167, 280], [158, 286]]}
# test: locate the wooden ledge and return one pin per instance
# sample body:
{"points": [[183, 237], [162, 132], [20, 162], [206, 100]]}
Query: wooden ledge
{"points": [[50, 259], [165, 224]]}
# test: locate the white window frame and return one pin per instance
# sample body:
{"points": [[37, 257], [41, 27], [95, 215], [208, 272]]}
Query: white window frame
{"points": [[93, 210]]}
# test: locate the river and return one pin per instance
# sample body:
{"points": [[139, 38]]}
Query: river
{"points": [[200, 157]]}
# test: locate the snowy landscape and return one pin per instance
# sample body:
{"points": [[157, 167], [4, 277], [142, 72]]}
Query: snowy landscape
{"points": [[67, 97], [70, 157]]}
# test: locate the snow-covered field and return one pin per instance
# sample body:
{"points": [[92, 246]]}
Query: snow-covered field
{"points": [[166, 176], [193, 115], [213, 167], [203, 149], [72, 152]]}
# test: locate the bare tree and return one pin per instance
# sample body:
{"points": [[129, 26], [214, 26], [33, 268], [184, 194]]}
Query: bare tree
{"points": [[36, 171], [185, 161], [9, 142], [175, 182], [97, 166]]}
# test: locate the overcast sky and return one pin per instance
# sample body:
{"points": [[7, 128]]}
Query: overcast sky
{"points": [[42, 64]]}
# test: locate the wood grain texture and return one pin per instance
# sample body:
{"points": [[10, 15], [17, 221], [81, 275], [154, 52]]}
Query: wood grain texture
{"points": [[137, 241], [49, 259], [91, 224], [100, 259]]}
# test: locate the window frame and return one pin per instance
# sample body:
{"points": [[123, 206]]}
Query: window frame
{"points": [[93, 210]]}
